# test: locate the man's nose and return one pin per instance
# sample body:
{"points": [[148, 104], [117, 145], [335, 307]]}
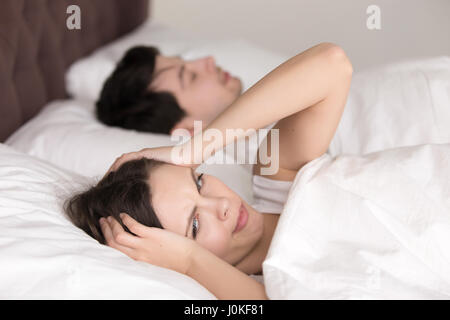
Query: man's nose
{"points": [[206, 63], [210, 63]]}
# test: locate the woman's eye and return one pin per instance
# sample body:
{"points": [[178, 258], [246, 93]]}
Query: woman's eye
{"points": [[199, 182], [195, 227], [193, 76], [195, 220]]}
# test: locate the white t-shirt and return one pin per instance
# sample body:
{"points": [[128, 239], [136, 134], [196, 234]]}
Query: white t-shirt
{"points": [[270, 195]]}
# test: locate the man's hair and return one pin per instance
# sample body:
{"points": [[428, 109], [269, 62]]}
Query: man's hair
{"points": [[125, 190], [127, 102]]}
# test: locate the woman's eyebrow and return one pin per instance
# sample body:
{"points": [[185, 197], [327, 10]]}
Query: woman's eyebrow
{"points": [[195, 207]]}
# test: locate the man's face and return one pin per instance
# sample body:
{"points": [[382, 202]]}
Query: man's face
{"points": [[202, 89]]}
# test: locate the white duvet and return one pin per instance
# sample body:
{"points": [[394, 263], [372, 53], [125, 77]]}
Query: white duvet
{"points": [[365, 227]]}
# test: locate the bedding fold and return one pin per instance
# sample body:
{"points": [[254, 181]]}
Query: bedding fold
{"points": [[365, 227]]}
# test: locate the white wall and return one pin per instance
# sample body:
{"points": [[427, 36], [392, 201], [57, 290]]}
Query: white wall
{"points": [[409, 28]]}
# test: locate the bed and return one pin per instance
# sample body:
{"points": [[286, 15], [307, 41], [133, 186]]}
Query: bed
{"points": [[54, 145]]}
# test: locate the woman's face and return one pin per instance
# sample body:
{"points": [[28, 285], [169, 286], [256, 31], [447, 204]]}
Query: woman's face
{"points": [[205, 210], [202, 89]]}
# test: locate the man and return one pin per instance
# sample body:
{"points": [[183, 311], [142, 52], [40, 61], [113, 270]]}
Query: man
{"points": [[151, 92]]}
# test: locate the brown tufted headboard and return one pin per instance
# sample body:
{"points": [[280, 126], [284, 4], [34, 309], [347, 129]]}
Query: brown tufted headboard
{"points": [[36, 48]]}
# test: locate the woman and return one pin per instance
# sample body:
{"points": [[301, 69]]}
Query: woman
{"points": [[210, 233]]}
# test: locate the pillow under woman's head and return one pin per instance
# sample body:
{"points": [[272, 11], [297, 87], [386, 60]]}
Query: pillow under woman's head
{"points": [[44, 256]]}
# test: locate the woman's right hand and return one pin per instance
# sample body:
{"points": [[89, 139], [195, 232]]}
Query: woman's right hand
{"points": [[152, 245]]}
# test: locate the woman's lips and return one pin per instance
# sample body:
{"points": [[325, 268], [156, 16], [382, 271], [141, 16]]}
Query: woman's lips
{"points": [[242, 219]]}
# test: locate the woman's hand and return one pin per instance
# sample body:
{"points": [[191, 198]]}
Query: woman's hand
{"points": [[170, 250], [168, 154], [152, 245]]}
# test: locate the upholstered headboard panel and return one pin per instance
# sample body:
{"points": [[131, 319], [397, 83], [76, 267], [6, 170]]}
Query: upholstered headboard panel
{"points": [[36, 48]]}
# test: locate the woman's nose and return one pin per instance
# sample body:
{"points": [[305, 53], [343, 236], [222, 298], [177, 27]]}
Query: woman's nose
{"points": [[223, 208], [220, 207]]}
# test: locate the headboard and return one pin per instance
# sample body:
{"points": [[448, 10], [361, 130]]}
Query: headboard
{"points": [[36, 48]]}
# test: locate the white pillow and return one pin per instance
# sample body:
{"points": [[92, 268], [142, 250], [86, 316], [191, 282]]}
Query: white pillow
{"points": [[396, 105], [44, 256], [67, 134], [85, 78]]}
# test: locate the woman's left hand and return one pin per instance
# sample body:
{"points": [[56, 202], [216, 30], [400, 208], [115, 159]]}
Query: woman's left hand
{"points": [[152, 245]]}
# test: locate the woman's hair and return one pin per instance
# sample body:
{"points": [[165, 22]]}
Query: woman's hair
{"points": [[125, 190], [126, 101]]}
